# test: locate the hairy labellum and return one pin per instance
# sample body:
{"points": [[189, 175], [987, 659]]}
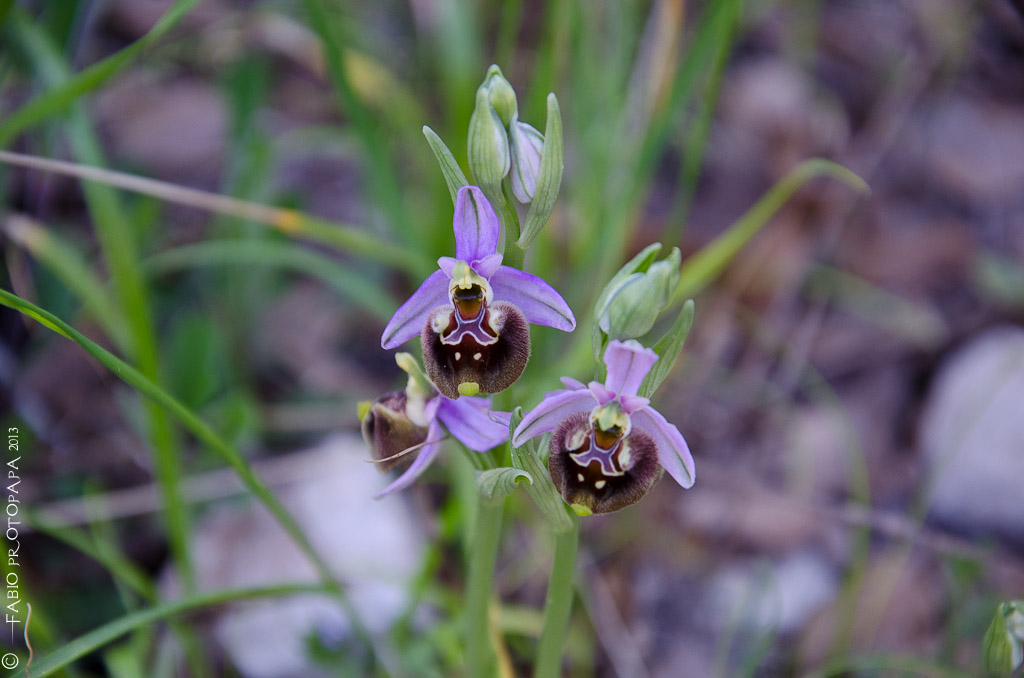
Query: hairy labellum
{"points": [[598, 469], [388, 430], [472, 342]]}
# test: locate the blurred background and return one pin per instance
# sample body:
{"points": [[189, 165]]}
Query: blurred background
{"points": [[852, 389]]}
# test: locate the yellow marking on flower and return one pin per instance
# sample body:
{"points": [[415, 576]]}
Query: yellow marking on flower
{"points": [[363, 408], [600, 484], [581, 510], [469, 388], [464, 277]]}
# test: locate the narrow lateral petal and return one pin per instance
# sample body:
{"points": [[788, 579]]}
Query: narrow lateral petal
{"points": [[476, 225], [603, 395], [628, 363], [423, 459], [447, 264], [487, 266], [573, 384], [538, 301], [550, 412], [673, 452], [467, 420], [410, 316], [631, 404]]}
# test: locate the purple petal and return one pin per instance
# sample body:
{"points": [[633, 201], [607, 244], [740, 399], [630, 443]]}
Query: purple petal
{"points": [[631, 404], [476, 225], [572, 384], [628, 363], [488, 265], [466, 419], [525, 147], [673, 452], [410, 316], [503, 418], [550, 412], [538, 301], [447, 264], [426, 455], [602, 394]]}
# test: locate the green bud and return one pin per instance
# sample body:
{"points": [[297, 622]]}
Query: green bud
{"points": [[489, 158], [1003, 648], [501, 95], [632, 304]]}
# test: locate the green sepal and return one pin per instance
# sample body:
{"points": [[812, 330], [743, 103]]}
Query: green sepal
{"points": [[632, 308], [542, 490], [641, 262], [549, 177], [1002, 648], [668, 350], [497, 483], [453, 174]]}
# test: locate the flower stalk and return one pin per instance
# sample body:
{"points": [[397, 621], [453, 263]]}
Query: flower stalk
{"points": [[558, 602]]}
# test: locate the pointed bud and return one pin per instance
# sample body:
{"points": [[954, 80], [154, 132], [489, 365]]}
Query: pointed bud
{"points": [[487, 143], [501, 95], [632, 304], [525, 145], [1004, 641]]}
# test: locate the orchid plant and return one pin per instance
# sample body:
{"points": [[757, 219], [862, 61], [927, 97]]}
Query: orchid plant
{"points": [[608, 446]]}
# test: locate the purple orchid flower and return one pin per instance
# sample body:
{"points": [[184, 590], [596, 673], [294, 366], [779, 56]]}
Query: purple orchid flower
{"points": [[402, 422], [609, 446], [473, 314]]}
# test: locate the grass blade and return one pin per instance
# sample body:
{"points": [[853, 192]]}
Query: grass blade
{"points": [[113, 630], [61, 97], [706, 265]]}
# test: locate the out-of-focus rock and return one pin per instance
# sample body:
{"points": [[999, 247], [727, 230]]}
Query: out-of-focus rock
{"points": [[972, 436], [767, 597], [373, 548]]}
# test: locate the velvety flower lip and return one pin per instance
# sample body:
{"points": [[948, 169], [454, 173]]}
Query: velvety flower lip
{"points": [[466, 419], [628, 363], [477, 230]]}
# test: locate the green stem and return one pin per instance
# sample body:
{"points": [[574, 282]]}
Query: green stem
{"points": [[558, 603], [482, 558]]}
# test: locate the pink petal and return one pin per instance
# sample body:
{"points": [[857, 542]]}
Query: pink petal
{"points": [[423, 459], [631, 404], [467, 420], [572, 384], [628, 363], [550, 412], [409, 318], [488, 265], [476, 225], [602, 394], [673, 452], [538, 301]]}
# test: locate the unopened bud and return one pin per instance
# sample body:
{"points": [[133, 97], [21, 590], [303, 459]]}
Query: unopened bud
{"points": [[501, 95], [632, 304], [1004, 641], [487, 143], [525, 145]]}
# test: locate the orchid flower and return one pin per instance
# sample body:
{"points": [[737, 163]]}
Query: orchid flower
{"points": [[609, 446], [402, 422], [472, 315]]}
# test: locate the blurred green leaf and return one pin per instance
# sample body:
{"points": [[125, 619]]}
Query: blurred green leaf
{"points": [[497, 483], [668, 350], [453, 175]]}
